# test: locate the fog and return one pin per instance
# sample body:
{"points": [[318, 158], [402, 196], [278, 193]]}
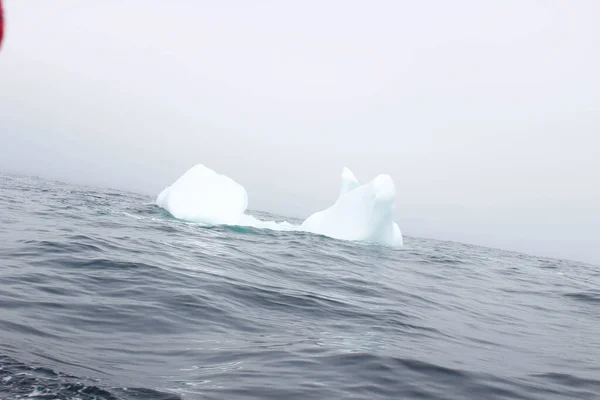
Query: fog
{"points": [[485, 114]]}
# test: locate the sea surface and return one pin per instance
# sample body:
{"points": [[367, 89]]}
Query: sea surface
{"points": [[103, 295]]}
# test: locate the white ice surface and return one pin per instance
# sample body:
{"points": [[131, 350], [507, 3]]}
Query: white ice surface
{"points": [[361, 212], [202, 195], [364, 213]]}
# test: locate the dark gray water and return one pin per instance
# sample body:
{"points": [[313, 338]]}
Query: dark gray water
{"points": [[104, 296]]}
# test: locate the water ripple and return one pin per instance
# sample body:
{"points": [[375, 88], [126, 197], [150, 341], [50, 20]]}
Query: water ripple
{"points": [[105, 296]]}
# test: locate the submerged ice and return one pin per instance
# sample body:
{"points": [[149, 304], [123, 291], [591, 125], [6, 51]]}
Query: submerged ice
{"points": [[361, 212]]}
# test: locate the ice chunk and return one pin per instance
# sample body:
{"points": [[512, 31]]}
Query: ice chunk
{"points": [[349, 181], [202, 195], [364, 213]]}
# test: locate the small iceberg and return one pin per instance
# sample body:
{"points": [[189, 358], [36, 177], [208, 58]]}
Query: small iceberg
{"points": [[202, 195], [361, 212]]}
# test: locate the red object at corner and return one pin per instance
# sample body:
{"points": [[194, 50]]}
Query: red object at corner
{"points": [[1, 23]]}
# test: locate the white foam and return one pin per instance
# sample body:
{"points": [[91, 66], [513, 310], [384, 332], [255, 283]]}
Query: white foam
{"points": [[36, 393]]}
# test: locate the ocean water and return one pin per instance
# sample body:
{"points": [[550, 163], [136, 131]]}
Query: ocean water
{"points": [[104, 296]]}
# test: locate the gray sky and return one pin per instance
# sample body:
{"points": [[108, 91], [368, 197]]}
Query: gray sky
{"points": [[485, 113]]}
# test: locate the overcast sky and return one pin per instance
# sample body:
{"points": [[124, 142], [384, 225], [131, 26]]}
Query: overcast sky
{"points": [[485, 113]]}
